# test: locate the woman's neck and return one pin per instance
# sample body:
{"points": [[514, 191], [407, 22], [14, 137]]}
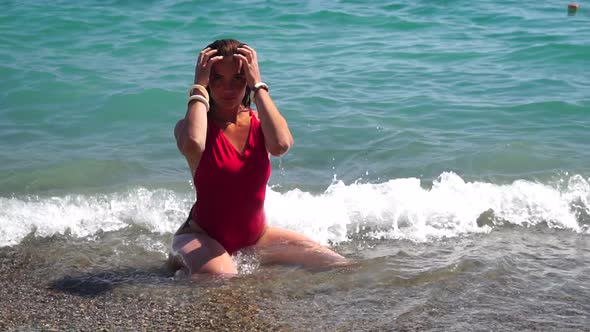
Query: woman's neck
{"points": [[228, 115]]}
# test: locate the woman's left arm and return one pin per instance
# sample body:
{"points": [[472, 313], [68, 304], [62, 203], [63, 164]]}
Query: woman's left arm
{"points": [[274, 126]]}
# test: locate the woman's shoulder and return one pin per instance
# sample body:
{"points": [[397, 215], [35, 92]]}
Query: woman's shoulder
{"points": [[254, 113]]}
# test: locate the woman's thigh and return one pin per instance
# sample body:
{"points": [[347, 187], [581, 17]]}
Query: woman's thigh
{"points": [[281, 246], [202, 254]]}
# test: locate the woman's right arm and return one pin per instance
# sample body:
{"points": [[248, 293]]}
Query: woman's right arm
{"points": [[191, 132]]}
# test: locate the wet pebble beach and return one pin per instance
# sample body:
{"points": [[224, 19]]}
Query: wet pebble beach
{"points": [[30, 302]]}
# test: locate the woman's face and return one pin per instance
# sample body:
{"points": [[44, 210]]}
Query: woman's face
{"points": [[227, 83]]}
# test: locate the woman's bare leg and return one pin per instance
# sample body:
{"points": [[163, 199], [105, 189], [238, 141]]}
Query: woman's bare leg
{"points": [[281, 246], [202, 254]]}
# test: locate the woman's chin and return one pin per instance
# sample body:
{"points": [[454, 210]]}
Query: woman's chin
{"points": [[228, 104]]}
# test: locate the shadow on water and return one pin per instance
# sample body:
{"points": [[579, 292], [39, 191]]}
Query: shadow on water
{"points": [[97, 283], [88, 266]]}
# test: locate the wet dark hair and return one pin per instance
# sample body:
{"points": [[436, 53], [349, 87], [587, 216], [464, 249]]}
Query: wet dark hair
{"points": [[227, 47]]}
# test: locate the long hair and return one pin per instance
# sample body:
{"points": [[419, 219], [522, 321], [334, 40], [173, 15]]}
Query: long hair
{"points": [[228, 47]]}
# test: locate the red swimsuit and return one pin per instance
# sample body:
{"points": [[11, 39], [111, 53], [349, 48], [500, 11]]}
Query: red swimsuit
{"points": [[231, 187]]}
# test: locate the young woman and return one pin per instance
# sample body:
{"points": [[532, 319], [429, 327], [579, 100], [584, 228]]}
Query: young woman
{"points": [[227, 147]]}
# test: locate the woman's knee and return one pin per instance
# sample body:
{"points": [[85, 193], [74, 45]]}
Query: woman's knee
{"points": [[287, 247], [201, 254]]}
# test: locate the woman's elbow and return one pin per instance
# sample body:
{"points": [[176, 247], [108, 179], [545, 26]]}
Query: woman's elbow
{"points": [[191, 146], [280, 148], [185, 143]]}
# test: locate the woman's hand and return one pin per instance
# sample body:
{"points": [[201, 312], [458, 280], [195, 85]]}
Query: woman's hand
{"points": [[250, 64], [204, 64]]}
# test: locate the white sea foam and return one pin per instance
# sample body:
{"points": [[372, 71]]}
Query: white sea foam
{"points": [[83, 215], [402, 208], [396, 209]]}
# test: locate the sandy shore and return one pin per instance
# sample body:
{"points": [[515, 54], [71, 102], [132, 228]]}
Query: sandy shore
{"points": [[27, 303]]}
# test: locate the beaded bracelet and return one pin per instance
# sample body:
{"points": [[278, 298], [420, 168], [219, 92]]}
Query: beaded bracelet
{"points": [[201, 89], [201, 99]]}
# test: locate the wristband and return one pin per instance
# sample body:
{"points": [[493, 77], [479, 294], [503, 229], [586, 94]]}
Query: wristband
{"points": [[258, 86], [201, 99]]}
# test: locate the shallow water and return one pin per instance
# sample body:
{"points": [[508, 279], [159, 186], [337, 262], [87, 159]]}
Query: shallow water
{"points": [[513, 278]]}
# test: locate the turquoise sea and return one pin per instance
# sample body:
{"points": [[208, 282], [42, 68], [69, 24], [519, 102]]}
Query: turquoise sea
{"points": [[444, 145]]}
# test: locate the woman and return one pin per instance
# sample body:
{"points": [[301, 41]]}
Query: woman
{"points": [[227, 147]]}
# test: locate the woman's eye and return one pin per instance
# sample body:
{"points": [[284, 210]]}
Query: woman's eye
{"points": [[216, 77], [239, 77]]}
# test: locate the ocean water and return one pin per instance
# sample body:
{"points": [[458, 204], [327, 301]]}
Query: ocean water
{"points": [[441, 145]]}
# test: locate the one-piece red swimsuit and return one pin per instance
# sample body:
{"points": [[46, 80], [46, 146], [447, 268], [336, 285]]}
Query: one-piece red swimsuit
{"points": [[231, 186]]}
